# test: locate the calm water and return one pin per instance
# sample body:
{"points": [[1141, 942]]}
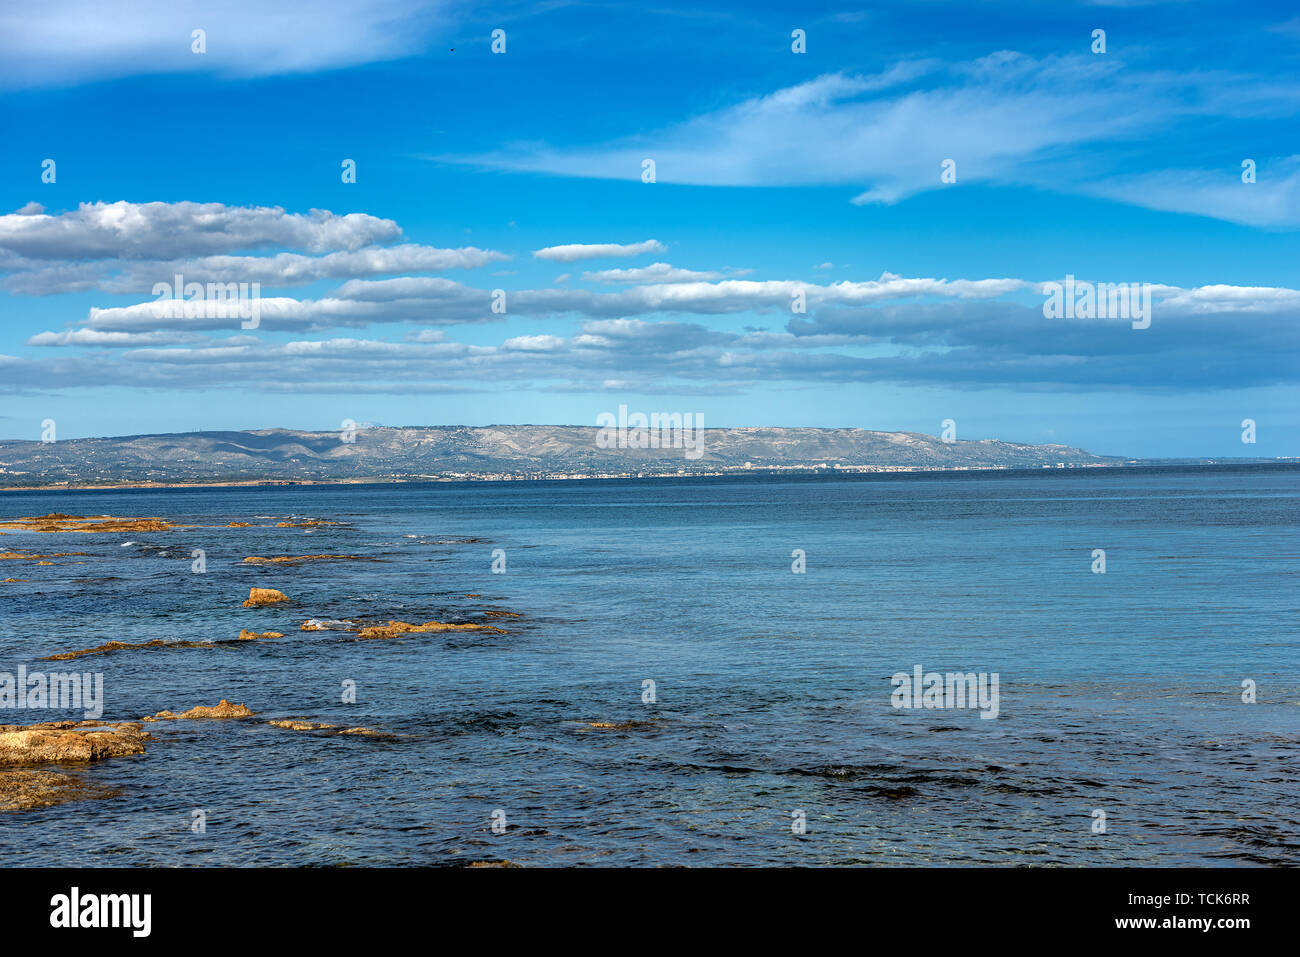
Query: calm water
{"points": [[1118, 691]]}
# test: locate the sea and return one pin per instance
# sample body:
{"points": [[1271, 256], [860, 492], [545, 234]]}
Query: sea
{"points": [[703, 671]]}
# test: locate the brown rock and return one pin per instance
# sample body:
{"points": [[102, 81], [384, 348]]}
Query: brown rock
{"points": [[224, 709], [125, 646], [296, 559], [619, 726], [246, 635], [59, 741], [23, 790], [257, 597], [294, 724], [311, 624], [58, 522], [395, 629]]}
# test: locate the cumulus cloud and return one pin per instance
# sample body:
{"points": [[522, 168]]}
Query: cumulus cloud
{"points": [[576, 251], [655, 272], [158, 230]]}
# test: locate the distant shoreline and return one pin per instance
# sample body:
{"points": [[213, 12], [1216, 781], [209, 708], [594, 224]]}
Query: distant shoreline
{"points": [[786, 471]]}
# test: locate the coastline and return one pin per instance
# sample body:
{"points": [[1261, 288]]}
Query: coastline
{"points": [[548, 476]]}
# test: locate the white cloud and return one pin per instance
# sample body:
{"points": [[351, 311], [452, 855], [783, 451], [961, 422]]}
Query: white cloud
{"points": [[125, 230], [73, 41], [655, 272], [576, 251], [1005, 118]]}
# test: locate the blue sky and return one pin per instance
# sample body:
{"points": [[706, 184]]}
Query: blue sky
{"points": [[776, 172]]}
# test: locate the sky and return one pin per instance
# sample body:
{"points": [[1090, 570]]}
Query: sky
{"points": [[853, 218]]}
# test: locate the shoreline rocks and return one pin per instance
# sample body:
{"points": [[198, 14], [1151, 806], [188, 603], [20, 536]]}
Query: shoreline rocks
{"points": [[55, 742]]}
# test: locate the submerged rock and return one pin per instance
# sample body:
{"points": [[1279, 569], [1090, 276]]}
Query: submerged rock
{"points": [[257, 597], [54, 742], [24, 790], [308, 523], [302, 724], [293, 724], [296, 559], [619, 725], [395, 629], [223, 709], [311, 624], [126, 646]]}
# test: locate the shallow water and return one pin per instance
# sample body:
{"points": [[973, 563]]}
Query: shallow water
{"points": [[1118, 691]]}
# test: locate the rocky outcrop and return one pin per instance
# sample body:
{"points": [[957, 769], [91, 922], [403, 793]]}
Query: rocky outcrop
{"points": [[59, 522], [126, 646], [246, 635], [302, 724], [63, 741], [299, 559], [223, 709], [258, 597], [23, 556], [395, 629]]}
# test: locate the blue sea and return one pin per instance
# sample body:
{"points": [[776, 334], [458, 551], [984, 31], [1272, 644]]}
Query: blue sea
{"points": [[771, 738]]}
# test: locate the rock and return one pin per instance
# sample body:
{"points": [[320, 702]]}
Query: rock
{"points": [[21, 556], [395, 629], [311, 624], [246, 635], [240, 525], [24, 790], [494, 864], [58, 522], [619, 726], [59, 741], [302, 724], [15, 579], [293, 724], [224, 709], [258, 597], [126, 646], [502, 614], [296, 559], [309, 523]]}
